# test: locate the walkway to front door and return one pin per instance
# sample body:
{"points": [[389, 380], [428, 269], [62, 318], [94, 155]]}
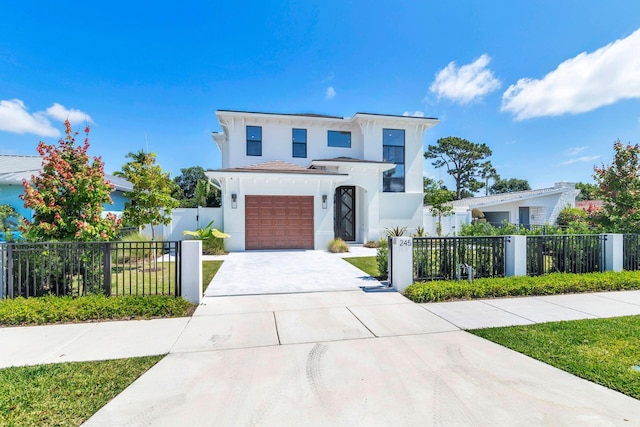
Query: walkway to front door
{"points": [[276, 272]]}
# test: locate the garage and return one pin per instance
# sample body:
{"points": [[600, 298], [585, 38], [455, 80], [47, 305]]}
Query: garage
{"points": [[278, 222]]}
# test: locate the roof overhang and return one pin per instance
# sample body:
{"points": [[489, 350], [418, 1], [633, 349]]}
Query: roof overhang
{"points": [[370, 165]]}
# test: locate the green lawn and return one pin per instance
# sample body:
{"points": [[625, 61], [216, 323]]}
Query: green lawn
{"points": [[64, 394], [209, 269], [604, 351], [367, 264]]}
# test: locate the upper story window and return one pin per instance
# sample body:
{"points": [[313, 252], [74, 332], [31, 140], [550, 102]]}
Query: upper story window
{"points": [[339, 139], [393, 152], [299, 137], [254, 140]]}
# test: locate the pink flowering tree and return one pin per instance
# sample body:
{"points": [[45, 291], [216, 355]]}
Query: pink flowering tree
{"points": [[619, 189], [68, 195]]}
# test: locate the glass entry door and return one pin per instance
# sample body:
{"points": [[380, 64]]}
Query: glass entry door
{"points": [[345, 215]]}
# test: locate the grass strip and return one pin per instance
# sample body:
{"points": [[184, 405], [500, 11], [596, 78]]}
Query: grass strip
{"points": [[52, 309], [209, 270], [368, 264], [603, 351], [551, 284], [64, 394]]}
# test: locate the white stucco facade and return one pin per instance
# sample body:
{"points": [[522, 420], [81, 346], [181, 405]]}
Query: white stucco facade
{"points": [[362, 165]]}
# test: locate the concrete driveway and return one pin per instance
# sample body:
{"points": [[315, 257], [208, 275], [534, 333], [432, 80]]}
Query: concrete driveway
{"points": [[278, 272], [351, 358]]}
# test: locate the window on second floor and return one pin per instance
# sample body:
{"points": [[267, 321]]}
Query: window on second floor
{"points": [[254, 140], [299, 137], [339, 139], [393, 152]]}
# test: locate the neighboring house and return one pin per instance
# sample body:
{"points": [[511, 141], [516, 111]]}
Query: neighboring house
{"points": [[532, 207], [13, 169], [300, 180]]}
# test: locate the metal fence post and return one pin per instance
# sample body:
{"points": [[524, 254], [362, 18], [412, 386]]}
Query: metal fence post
{"points": [[107, 268], [10, 270]]}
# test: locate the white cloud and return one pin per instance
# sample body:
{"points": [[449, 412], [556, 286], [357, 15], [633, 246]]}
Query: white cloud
{"points": [[467, 83], [15, 118], [331, 93], [580, 159], [415, 114], [572, 151], [59, 112], [580, 84]]}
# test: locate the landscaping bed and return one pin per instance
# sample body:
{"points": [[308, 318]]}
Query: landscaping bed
{"points": [[52, 309], [605, 351], [552, 284]]}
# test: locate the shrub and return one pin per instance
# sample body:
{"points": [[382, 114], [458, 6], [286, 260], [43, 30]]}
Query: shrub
{"points": [[555, 283], [382, 257], [338, 246], [52, 309], [420, 232], [569, 215], [371, 244], [395, 231], [212, 239]]}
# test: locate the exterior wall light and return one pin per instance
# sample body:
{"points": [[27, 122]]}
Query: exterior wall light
{"points": [[234, 201], [324, 201]]}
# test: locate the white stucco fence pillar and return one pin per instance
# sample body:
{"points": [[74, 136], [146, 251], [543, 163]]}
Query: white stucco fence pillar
{"points": [[401, 263], [613, 252], [515, 256], [191, 270]]}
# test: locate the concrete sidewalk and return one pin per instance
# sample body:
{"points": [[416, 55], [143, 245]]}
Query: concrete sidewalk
{"points": [[251, 320]]}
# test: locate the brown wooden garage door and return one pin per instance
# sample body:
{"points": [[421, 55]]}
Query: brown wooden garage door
{"points": [[278, 222]]}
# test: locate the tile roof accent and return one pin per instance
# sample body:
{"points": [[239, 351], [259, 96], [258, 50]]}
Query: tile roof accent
{"points": [[276, 166], [348, 160]]}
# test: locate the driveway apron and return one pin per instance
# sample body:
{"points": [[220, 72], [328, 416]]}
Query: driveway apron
{"points": [[278, 272]]}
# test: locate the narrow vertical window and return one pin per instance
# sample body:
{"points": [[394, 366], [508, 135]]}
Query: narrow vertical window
{"points": [[299, 137], [393, 152], [254, 140]]}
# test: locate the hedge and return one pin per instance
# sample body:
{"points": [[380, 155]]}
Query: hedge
{"points": [[552, 284]]}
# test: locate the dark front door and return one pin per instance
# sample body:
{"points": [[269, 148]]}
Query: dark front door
{"points": [[345, 220]]}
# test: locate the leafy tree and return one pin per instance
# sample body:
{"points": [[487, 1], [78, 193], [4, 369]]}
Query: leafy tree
{"points": [[438, 198], [587, 191], [462, 160], [150, 202], [619, 187], [187, 189], [68, 195], [510, 185], [435, 190], [487, 172]]}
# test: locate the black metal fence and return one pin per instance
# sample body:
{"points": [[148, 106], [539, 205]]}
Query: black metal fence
{"points": [[565, 254], [81, 268], [443, 258], [631, 252]]}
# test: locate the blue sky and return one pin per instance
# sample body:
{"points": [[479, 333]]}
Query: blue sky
{"points": [[547, 85]]}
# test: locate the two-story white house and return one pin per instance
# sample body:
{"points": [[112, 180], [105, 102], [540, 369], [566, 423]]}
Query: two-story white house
{"points": [[296, 181]]}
